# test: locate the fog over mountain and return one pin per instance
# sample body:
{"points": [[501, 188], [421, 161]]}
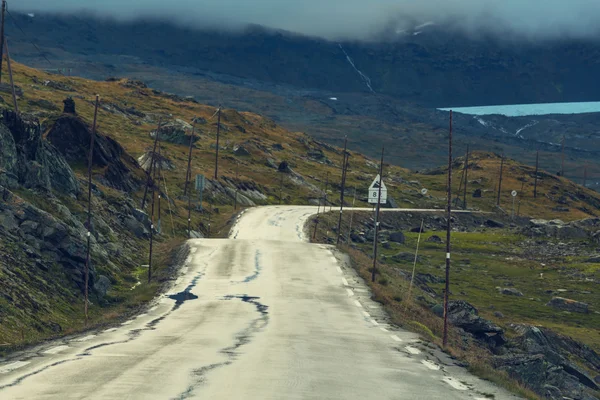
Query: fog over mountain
{"points": [[354, 19]]}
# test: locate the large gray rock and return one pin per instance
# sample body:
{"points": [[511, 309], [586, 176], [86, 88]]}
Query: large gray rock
{"points": [[434, 239], [8, 158], [466, 316], [71, 136], [397, 237], [177, 131], [511, 292], [405, 257], [102, 286], [542, 360], [39, 164], [558, 229], [569, 305], [136, 227]]}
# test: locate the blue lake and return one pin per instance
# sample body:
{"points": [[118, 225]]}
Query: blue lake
{"points": [[520, 110]]}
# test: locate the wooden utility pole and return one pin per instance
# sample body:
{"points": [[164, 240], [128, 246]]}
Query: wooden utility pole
{"points": [[159, 222], [448, 230], [217, 150], [237, 169], [152, 168], [319, 207], [149, 172], [562, 163], [10, 75], [188, 174], [189, 214], [2, 37], [466, 179], [500, 181], [351, 217], [375, 239], [343, 186], [280, 187], [89, 214]]}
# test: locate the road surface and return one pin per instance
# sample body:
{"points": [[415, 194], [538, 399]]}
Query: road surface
{"points": [[261, 315]]}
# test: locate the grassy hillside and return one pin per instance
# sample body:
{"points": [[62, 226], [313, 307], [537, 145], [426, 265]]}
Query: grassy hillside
{"points": [[130, 111]]}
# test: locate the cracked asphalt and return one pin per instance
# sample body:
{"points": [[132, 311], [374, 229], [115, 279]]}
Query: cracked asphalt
{"points": [[262, 315]]}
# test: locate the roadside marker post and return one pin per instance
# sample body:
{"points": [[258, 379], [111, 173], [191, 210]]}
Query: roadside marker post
{"points": [[380, 192], [514, 196]]}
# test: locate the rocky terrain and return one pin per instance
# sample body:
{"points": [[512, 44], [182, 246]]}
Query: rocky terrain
{"points": [[523, 292]]}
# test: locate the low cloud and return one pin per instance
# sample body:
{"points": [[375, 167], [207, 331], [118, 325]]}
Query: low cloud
{"points": [[353, 19]]}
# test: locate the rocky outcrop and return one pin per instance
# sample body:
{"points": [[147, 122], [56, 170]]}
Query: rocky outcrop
{"points": [[545, 362], [29, 160], [569, 305], [465, 316], [161, 161], [561, 230], [71, 136], [510, 292], [177, 131], [397, 237]]}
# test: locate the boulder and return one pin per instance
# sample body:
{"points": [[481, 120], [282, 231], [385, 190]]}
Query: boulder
{"points": [[557, 229], [438, 309], [176, 131], [101, 286], [490, 223], [428, 278], [240, 151], [434, 239], [466, 316], [541, 359], [569, 305], [418, 229], [39, 164], [511, 292], [136, 227], [69, 106], [284, 167], [358, 238], [71, 136], [8, 158], [477, 193], [405, 257], [397, 237], [271, 163], [160, 161]]}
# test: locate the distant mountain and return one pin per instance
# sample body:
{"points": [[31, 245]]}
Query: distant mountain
{"points": [[429, 66], [377, 93]]}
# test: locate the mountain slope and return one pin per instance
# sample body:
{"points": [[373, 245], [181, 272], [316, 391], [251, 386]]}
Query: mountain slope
{"points": [[437, 68], [44, 198]]}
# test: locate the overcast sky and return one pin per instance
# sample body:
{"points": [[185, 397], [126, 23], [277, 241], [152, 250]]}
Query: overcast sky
{"points": [[355, 19]]}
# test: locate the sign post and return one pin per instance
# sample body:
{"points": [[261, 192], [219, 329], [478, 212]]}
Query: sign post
{"points": [[374, 194], [514, 196]]}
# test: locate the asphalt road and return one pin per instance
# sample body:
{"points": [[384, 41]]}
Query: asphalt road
{"points": [[261, 315]]}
